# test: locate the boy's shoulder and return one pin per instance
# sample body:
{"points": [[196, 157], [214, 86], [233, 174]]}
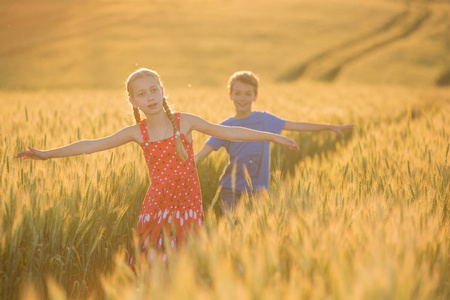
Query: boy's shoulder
{"points": [[262, 113], [256, 115], [228, 121], [265, 115]]}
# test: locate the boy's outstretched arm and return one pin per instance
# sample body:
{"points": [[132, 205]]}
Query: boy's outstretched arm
{"points": [[121, 137], [308, 126], [203, 153]]}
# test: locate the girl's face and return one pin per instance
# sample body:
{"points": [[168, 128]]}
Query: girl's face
{"points": [[147, 95]]}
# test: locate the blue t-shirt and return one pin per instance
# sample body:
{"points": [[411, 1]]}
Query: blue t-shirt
{"points": [[255, 156]]}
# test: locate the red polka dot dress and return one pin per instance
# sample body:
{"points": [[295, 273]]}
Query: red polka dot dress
{"points": [[173, 203]]}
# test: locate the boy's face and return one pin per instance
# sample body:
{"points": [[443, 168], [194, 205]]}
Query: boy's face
{"points": [[243, 95]]}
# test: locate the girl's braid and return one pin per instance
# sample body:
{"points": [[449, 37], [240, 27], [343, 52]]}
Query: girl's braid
{"points": [[179, 144], [137, 115]]}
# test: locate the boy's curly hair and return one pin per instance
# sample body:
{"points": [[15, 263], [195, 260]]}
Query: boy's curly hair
{"points": [[247, 77]]}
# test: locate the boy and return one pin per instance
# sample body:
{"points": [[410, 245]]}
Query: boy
{"points": [[255, 156]]}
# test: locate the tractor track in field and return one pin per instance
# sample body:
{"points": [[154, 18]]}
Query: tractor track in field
{"points": [[327, 65], [58, 37]]}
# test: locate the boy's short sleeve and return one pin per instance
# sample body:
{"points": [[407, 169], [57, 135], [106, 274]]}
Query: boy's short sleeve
{"points": [[216, 143], [273, 123]]}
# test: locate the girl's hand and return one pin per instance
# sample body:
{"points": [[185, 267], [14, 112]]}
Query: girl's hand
{"points": [[338, 128], [283, 140], [32, 153]]}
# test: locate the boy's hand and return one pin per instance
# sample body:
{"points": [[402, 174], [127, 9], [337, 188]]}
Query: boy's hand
{"points": [[32, 153], [338, 128]]}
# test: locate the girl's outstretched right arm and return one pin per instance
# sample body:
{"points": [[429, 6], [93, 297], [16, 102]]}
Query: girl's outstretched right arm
{"points": [[234, 133], [123, 136]]}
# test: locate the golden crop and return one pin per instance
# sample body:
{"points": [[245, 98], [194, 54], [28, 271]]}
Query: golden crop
{"points": [[360, 217]]}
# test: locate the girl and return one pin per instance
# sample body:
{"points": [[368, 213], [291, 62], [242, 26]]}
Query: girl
{"points": [[173, 201]]}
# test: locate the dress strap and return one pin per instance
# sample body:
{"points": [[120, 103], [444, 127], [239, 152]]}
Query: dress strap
{"points": [[144, 130]]}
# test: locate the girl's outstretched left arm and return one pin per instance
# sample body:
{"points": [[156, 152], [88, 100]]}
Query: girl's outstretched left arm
{"points": [[234, 133]]}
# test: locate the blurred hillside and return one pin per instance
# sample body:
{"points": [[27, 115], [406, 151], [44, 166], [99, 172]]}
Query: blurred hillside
{"points": [[96, 44]]}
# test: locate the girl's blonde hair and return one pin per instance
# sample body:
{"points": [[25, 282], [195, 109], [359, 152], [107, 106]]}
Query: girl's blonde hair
{"points": [[150, 73]]}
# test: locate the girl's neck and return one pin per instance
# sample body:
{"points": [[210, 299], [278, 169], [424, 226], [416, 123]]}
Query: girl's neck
{"points": [[158, 120]]}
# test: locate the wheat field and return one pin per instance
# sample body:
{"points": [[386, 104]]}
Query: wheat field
{"points": [[360, 217]]}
